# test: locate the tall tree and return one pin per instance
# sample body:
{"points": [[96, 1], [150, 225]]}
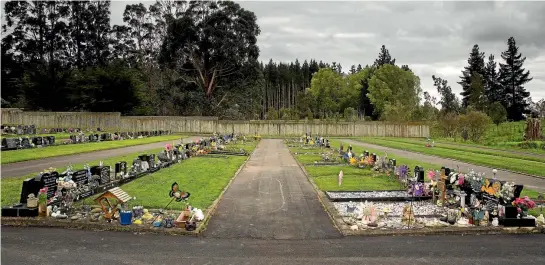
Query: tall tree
{"points": [[475, 66], [449, 102], [492, 87], [384, 58], [513, 77], [477, 98], [394, 92], [211, 41]]}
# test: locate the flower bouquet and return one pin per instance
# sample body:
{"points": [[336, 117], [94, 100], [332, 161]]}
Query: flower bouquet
{"points": [[523, 205]]}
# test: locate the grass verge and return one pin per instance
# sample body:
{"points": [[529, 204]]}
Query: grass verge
{"points": [[496, 161], [39, 153]]}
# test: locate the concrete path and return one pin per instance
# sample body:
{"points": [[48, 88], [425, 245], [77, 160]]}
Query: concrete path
{"points": [[48, 246], [271, 198], [23, 168], [533, 183]]}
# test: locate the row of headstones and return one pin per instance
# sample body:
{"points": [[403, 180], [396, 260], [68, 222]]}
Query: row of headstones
{"points": [[98, 178], [145, 163], [445, 185], [19, 129], [95, 137], [26, 142]]}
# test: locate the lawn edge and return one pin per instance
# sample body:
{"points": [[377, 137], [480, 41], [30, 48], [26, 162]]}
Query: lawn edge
{"points": [[326, 204], [84, 152], [455, 160], [212, 208]]}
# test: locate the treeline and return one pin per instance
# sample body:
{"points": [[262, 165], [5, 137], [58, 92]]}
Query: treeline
{"points": [[201, 58]]}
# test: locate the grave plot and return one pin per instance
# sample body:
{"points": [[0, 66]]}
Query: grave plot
{"points": [[423, 199], [53, 195]]}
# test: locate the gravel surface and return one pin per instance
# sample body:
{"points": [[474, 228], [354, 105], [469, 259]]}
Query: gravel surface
{"points": [[367, 194], [421, 208]]}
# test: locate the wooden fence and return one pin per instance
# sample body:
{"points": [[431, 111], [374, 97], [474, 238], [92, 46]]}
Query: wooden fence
{"points": [[206, 125]]}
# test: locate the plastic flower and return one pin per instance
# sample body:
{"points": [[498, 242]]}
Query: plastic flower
{"points": [[431, 174]]}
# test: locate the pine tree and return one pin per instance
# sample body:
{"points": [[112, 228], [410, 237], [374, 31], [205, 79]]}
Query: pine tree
{"points": [[492, 88], [475, 66], [449, 102], [359, 68], [512, 78], [384, 58], [352, 69], [406, 68]]}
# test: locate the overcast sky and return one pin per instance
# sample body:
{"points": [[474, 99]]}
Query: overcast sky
{"points": [[433, 38]]}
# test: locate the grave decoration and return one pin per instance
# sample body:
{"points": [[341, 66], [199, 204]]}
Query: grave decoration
{"points": [[459, 199], [57, 192], [111, 200]]}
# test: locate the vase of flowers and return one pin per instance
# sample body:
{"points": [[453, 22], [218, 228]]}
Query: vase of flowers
{"points": [[523, 205], [42, 202]]}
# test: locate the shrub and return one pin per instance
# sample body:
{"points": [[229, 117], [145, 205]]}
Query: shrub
{"points": [[272, 114], [473, 125], [449, 124], [350, 114]]}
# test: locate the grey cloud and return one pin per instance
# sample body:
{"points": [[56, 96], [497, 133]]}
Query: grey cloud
{"points": [[433, 38]]}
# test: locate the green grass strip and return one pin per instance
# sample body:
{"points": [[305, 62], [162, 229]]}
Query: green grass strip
{"points": [[513, 164], [471, 149], [69, 149]]}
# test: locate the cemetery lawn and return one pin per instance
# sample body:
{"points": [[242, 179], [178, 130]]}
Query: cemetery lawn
{"points": [[467, 148], [69, 149], [11, 187], [495, 159], [203, 177]]}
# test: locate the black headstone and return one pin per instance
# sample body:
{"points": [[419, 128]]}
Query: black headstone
{"points": [[80, 177], [25, 143], [30, 186], [374, 156], [37, 140], [105, 175], [12, 143], [518, 190], [394, 162], [49, 181]]}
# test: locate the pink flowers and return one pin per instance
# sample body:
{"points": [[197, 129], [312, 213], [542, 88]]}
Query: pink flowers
{"points": [[524, 203], [431, 174]]}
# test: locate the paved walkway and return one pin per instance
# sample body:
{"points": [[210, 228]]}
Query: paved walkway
{"points": [[52, 246], [533, 183], [271, 198], [23, 168]]}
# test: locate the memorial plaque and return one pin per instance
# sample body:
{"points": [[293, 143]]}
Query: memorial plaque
{"points": [[105, 175], [49, 181], [51, 140], [80, 177]]}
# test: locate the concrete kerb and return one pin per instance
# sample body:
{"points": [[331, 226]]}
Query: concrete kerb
{"points": [[69, 224], [345, 230], [451, 159]]}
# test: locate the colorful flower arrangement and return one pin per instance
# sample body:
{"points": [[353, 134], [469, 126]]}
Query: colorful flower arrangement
{"points": [[524, 204]]}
